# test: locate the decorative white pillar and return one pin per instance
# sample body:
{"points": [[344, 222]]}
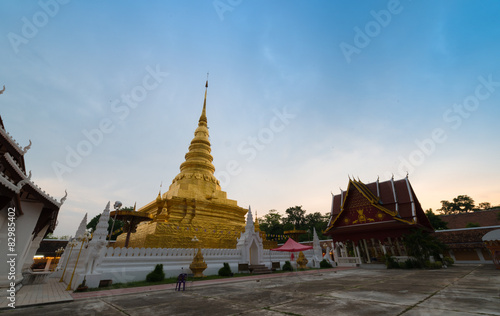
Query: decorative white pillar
{"points": [[28, 259], [367, 251], [47, 265], [374, 246]]}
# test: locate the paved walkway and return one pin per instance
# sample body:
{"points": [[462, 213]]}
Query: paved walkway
{"points": [[198, 283], [459, 290], [51, 291]]}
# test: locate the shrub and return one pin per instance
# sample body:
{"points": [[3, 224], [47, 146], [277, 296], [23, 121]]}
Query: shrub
{"points": [[434, 265], [156, 275], [412, 264], [287, 266], [449, 261], [421, 245], [390, 263], [471, 225], [325, 264], [225, 270]]}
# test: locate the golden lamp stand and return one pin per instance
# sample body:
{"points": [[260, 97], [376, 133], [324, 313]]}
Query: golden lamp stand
{"points": [[86, 236], [72, 244]]}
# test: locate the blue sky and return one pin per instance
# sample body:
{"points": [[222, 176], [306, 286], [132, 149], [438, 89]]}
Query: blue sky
{"points": [[301, 95]]}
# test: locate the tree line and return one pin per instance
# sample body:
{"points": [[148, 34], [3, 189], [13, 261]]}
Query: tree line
{"points": [[275, 224], [463, 204]]}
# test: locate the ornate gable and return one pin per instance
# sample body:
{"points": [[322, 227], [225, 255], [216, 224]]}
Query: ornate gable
{"points": [[360, 206]]}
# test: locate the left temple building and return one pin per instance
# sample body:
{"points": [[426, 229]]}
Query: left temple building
{"points": [[27, 212]]}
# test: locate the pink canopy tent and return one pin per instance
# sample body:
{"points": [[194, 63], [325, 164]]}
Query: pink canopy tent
{"points": [[292, 246]]}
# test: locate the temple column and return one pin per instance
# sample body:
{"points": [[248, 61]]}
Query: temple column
{"points": [[480, 255], [357, 252], [399, 247], [343, 250], [47, 265], [374, 247], [368, 259], [382, 246]]}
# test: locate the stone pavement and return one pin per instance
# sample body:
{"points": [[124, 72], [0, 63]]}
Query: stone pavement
{"points": [[458, 290], [51, 291]]}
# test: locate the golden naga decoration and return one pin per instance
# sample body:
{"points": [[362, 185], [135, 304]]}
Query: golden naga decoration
{"points": [[302, 261], [198, 265], [193, 205]]}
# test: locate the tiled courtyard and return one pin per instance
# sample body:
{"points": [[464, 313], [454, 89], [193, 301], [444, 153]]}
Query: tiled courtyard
{"points": [[459, 290]]}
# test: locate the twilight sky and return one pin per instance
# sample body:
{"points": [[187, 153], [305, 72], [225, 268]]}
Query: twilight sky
{"points": [[302, 94]]}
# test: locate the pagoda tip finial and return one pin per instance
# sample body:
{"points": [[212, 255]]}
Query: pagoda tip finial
{"points": [[203, 117]]}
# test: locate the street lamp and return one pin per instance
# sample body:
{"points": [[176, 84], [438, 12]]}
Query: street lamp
{"points": [[116, 206]]}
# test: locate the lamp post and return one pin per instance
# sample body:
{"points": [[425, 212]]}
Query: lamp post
{"points": [[72, 244], [84, 238], [117, 206]]}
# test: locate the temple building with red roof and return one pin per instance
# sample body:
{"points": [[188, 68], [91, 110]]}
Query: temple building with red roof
{"points": [[368, 221]]}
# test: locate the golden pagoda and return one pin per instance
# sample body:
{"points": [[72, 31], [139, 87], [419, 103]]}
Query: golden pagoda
{"points": [[194, 205]]}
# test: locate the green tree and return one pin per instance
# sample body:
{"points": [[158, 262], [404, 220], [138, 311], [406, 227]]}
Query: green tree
{"points": [[271, 223], [484, 205], [50, 236], [421, 245], [463, 204], [296, 217], [460, 204], [436, 221], [318, 221], [446, 207]]}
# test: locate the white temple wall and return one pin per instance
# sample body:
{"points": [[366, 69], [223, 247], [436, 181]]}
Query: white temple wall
{"points": [[123, 265]]}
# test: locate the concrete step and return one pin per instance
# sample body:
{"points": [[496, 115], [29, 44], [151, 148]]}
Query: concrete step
{"points": [[259, 269]]}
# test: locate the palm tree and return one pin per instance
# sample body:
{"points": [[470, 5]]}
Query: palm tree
{"points": [[421, 245]]}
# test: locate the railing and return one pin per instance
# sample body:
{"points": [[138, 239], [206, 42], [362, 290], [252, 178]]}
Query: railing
{"points": [[348, 261]]}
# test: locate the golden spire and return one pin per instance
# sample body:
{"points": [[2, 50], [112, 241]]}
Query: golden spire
{"points": [[203, 117], [198, 161]]}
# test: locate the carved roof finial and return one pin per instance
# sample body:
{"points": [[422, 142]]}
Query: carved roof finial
{"points": [[25, 149], [64, 197], [1, 91]]}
